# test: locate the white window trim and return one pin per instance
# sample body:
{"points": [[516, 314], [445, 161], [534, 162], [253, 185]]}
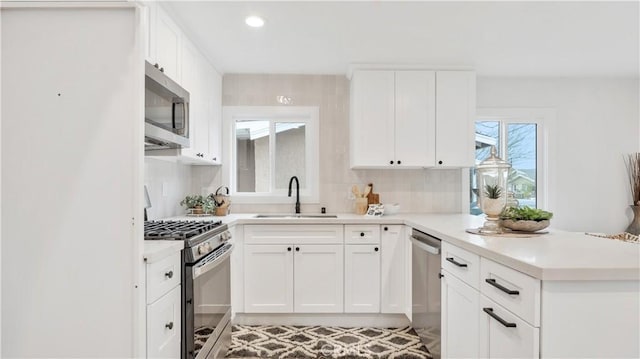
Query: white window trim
{"points": [[545, 118], [311, 115]]}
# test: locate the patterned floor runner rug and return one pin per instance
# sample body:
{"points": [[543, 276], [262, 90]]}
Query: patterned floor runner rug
{"points": [[306, 342]]}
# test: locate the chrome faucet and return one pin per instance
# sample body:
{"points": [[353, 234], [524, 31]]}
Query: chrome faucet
{"points": [[297, 192]]}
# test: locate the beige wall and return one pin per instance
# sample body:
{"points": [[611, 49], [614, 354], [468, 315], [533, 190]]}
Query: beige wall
{"points": [[415, 190]]}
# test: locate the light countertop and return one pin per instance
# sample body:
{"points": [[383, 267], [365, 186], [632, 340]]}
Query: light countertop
{"points": [[558, 255]]}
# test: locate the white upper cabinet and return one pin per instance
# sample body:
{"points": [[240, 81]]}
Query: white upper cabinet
{"points": [[168, 43], [455, 114], [412, 119]]}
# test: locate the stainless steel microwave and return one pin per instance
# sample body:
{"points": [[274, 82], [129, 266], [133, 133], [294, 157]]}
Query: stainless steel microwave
{"points": [[166, 112]]}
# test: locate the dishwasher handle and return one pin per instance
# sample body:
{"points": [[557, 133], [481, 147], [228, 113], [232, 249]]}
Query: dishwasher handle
{"points": [[425, 247]]}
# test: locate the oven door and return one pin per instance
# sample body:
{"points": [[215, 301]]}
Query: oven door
{"points": [[208, 306]]}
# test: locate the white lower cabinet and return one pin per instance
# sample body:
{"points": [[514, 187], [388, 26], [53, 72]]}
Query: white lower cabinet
{"points": [[393, 271], [163, 297], [268, 278], [362, 278], [460, 318], [270, 286], [318, 281], [505, 335], [164, 326]]}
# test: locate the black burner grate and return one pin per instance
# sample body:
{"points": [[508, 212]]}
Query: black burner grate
{"points": [[179, 230]]}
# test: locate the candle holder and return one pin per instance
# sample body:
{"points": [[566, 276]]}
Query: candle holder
{"points": [[492, 176]]}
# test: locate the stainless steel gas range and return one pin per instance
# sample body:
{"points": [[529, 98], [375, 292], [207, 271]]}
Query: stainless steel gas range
{"points": [[206, 284]]}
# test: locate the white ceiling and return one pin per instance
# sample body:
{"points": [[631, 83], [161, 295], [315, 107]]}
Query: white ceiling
{"points": [[494, 38]]}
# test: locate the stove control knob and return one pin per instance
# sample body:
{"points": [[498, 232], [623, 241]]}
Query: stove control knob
{"points": [[208, 247], [225, 236], [202, 249]]}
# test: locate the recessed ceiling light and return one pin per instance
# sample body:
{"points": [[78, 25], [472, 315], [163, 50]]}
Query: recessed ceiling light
{"points": [[254, 21]]}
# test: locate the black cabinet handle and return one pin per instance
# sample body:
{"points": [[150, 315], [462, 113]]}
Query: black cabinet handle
{"points": [[390, 162], [386, 228], [162, 69], [189, 301], [376, 249], [289, 249], [297, 249], [439, 162], [501, 287], [361, 234], [169, 326], [215, 158], [156, 66], [450, 259], [399, 162], [496, 317], [169, 274], [440, 275]]}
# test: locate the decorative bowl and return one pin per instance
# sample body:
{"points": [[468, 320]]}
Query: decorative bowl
{"points": [[525, 226]]}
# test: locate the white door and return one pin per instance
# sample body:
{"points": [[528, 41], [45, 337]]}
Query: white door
{"points": [[455, 118], [393, 270], [362, 278], [505, 335], [191, 81], [372, 119], [415, 126], [460, 318], [164, 326], [168, 45], [318, 280], [214, 113], [268, 278]]}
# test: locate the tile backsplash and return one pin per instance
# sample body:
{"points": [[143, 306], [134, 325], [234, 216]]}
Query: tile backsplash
{"points": [[432, 191]]}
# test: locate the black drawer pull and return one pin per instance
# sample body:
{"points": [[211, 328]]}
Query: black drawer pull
{"points": [[289, 249], [297, 249], [361, 234], [169, 274], [502, 288], [450, 259], [496, 317], [376, 249], [169, 326]]}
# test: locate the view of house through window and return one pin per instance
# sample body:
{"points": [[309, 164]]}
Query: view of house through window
{"points": [[268, 154], [517, 143]]}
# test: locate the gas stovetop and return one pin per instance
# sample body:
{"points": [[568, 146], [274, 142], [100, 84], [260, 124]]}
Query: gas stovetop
{"points": [[177, 230]]}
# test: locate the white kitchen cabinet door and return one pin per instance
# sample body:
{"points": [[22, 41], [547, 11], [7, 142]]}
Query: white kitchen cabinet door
{"points": [[460, 318], [150, 13], [372, 126], [318, 279], [362, 278], [191, 81], [268, 278], [415, 118], [514, 338], [455, 118], [168, 45], [164, 326], [392, 269], [213, 99]]}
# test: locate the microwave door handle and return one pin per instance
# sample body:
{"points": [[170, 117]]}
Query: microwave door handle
{"points": [[173, 115], [198, 271]]}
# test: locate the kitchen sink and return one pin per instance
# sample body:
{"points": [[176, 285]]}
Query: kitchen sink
{"points": [[296, 216]]}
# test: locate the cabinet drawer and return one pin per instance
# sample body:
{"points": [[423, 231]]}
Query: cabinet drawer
{"points": [[293, 234], [362, 234], [164, 326], [514, 338], [515, 291], [162, 276], [461, 263]]}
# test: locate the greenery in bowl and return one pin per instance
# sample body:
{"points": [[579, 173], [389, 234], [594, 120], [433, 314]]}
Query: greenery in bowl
{"points": [[525, 214], [206, 202]]}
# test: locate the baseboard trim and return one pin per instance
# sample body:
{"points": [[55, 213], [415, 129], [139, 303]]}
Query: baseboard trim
{"points": [[339, 320]]}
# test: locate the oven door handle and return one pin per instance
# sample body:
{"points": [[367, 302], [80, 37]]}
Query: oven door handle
{"points": [[200, 270]]}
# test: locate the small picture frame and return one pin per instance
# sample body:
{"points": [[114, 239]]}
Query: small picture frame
{"points": [[375, 210]]}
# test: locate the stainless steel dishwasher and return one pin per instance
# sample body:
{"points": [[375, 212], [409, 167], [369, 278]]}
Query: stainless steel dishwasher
{"points": [[425, 311]]}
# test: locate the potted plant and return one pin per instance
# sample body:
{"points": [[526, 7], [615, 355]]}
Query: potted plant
{"points": [[198, 204], [525, 219], [493, 203], [633, 170]]}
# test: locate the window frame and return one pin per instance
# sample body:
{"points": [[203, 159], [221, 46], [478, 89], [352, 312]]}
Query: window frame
{"points": [[544, 118], [309, 115]]}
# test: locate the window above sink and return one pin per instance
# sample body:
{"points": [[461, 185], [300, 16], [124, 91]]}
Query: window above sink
{"points": [[265, 146]]}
